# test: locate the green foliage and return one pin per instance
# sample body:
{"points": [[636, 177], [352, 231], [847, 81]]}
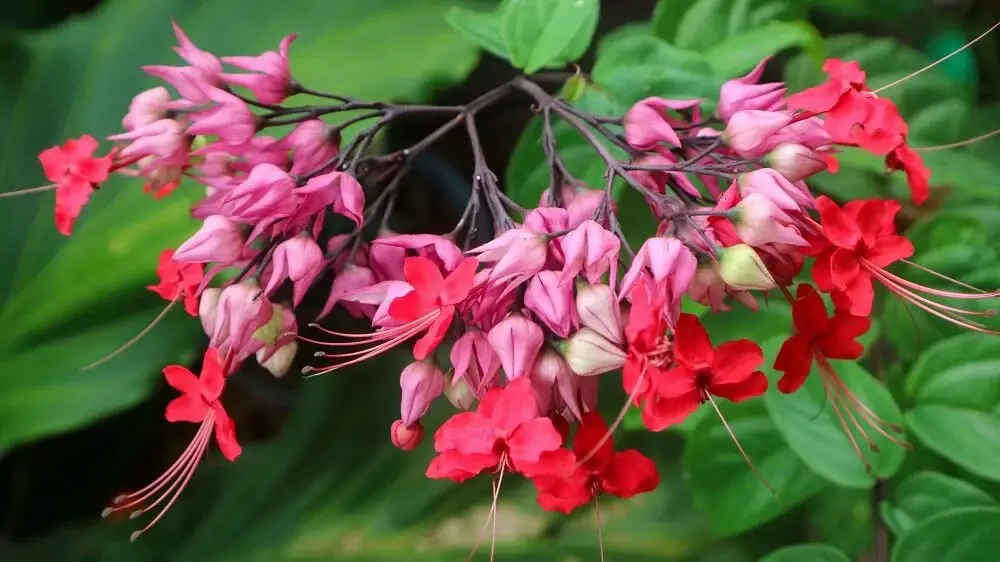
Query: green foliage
{"points": [[810, 552], [927, 494], [967, 534]]}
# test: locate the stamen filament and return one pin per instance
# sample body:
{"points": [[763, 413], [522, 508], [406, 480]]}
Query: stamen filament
{"points": [[149, 327], [29, 191]]}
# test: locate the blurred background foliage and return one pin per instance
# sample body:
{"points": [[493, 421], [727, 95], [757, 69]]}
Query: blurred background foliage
{"points": [[319, 479]]}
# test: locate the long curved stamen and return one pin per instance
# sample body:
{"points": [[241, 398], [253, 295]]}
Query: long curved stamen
{"points": [[945, 312], [739, 447], [958, 144], [492, 517], [169, 485], [600, 525], [365, 354], [940, 60], [149, 327], [370, 337], [978, 294], [29, 191]]}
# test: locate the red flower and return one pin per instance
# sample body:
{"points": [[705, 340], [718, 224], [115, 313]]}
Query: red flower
{"points": [[859, 241], [199, 401], [846, 80], [178, 280], [918, 176], [504, 433], [816, 336], [622, 474], [433, 299], [76, 174], [701, 371], [649, 348]]}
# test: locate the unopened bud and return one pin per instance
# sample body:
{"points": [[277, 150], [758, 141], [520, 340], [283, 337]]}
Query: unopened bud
{"points": [[460, 394], [795, 161], [421, 383], [598, 310], [589, 353], [742, 269], [406, 438], [280, 360], [749, 131], [208, 307], [574, 88]]}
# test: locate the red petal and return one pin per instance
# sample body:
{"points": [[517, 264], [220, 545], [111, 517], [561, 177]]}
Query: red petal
{"points": [[630, 473], [459, 282], [213, 379], [794, 360], [918, 176], [837, 227], [818, 99], [516, 406], [434, 335], [808, 311], [466, 432], [838, 342], [849, 71], [844, 268], [678, 381], [453, 465], [409, 307], [532, 438], [559, 463], [735, 361], [860, 294], [661, 413], [186, 408], [889, 249], [822, 272], [754, 385], [182, 379], [691, 344], [72, 194], [592, 430], [94, 170], [225, 434], [425, 277], [54, 165], [78, 149], [564, 494]]}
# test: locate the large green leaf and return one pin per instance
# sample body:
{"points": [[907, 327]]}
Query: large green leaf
{"points": [[962, 371], [968, 438], [540, 33], [967, 534], [731, 495], [803, 552], [926, 494], [743, 51]]}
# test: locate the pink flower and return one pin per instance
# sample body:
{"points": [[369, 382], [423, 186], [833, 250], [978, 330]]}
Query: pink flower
{"points": [[591, 250], [647, 123], [150, 106], [745, 93], [76, 173], [547, 220], [337, 190], [191, 81], [474, 361], [657, 180], [218, 240], [668, 264], [556, 386], [517, 254], [551, 302], [751, 132], [759, 221], [775, 187], [352, 278], [421, 383], [272, 79], [163, 139], [229, 119], [598, 309], [516, 341], [580, 203], [267, 193], [298, 259], [241, 311], [797, 161], [313, 143], [386, 253]]}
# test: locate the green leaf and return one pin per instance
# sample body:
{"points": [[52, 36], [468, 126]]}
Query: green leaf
{"points": [[947, 228], [967, 534], [926, 494], [740, 53], [968, 438], [774, 318], [667, 17], [804, 552], [962, 371], [482, 28], [43, 391], [703, 25], [723, 485], [540, 33], [639, 66], [811, 427]]}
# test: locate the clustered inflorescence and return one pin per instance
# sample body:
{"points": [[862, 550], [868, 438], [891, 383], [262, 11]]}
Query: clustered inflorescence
{"points": [[549, 300]]}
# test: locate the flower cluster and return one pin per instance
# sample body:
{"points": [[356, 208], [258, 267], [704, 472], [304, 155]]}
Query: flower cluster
{"points": [[515, 327]]}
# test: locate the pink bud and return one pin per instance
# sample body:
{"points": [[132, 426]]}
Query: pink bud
{"points": [[406, 438], [266, 193], [230, 119], [278, 361], [421, 382], [592, 250], [460, 394], [745, 93], [516, 253], [208, 307], [474, 360], [810, 132], [516, 341], [164, 139], [555, 384], [647, 124], [272, 81], [775, 187], [580, 203], [148, 107], [242, 310], [598, 310], [546, 220], [298, 259], [551, 302], [313, 143], [218, 240], [759, 221], [668, 263], [352, 278], [337, 190], [751, 133], [795, 161], [205, 70], [589, 353]]}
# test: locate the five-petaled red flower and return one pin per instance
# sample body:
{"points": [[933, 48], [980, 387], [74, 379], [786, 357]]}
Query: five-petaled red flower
{"points": [[701, 371], [858, 242], [200, 401], [178, 280], [622, 474], [431, 304], [505, 432], [648, 344], [76, 173], [816, 336]]}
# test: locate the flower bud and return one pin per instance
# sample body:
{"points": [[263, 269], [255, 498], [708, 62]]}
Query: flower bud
{"points": [[460, 394], [421, 382], [298, 259], [218, 240], [745, 93], [742, 269], [588, 354], [750, 132], [795, 161], [406, 438], [598, 310], [278, 361], [516, 341], [208, 307], [242, 310], [551, 302]]}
